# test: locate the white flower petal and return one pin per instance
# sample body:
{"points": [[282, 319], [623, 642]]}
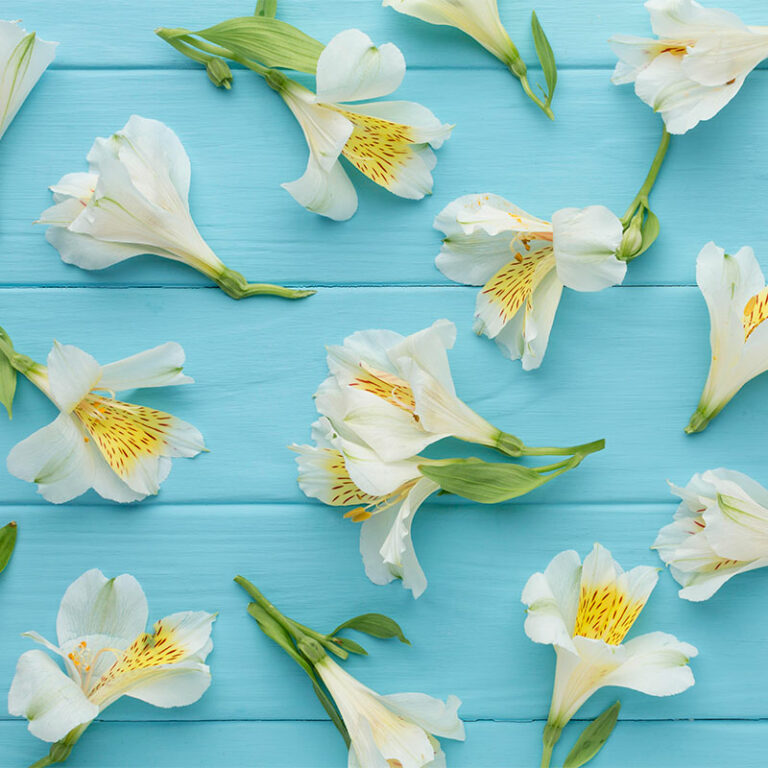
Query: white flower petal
{"points": [[328, 192], [440, 718], [685, 19], [56, 458], [108, 484], [157, 367], [23, 59], [487, 213], [72, 374], [52, 702], [682, 102], [585, 244], [656, 664], [635, 54], [172, 685], [552, 598], [77, 186], [352, 68], [87, 252], [95, 605], [156, 161], [473, 259]]}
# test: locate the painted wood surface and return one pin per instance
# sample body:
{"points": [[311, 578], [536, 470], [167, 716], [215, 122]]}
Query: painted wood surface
{"points": [[626, 364]]}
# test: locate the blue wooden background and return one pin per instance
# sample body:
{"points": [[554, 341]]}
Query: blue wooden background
{"points": [[626, 364]]}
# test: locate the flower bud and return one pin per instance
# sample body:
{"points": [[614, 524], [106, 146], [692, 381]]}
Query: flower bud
{"points": [[311, 649], [632, 241], [219, 72]]}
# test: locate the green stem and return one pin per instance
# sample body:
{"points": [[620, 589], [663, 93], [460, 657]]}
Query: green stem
{"points": [[61, 750], [235, 285], [546, 756], [584, 449], [550, 738], [543, 106], [642, 196]]}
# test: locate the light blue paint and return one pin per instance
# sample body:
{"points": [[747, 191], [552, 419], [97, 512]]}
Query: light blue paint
{"points": [[626, 364]]}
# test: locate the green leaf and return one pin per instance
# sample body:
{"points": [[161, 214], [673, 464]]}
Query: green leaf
{"points": [[329, 707], [350, 645], [593, 737], [546, 56], [266, 8], [7, 543], [7, 375], [271, 42], [375, 625], [651, 229], [482, 481]]}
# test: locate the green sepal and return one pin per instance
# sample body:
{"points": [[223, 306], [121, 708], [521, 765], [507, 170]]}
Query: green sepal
{"points": [[593, 737], [482, 481], [8, 535], [650, 230], [546, 56], [271, 42], [331, 710], [350, 645], [266, 8], [8, 374], [375, 625]]}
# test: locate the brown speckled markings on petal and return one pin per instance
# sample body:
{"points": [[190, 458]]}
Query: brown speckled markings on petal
{"points": [[387, 386], [378, 148], [513, 285], [343, 491], [123, 432], [755, 312]]}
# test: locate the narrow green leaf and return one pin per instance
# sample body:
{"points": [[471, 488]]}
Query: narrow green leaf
{"points": [[8, 535], [271, 42], [350, 645], [329, 707], [482, 481], [651, 229], [593, 737], [546, 56], [375, 625], [7, 375], [266, 8]]}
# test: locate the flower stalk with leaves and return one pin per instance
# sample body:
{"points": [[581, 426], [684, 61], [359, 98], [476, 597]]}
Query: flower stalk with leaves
{"points": [[480, 20], [397, 729], [390, 142]]}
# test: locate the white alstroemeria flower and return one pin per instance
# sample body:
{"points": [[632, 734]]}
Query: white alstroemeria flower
{"points": [[107, 654], [135, 200], [396, 393], [23, 59], [737, 299], [696, 66], [394, 730], [477, 18], [344, 473], [388, 141], [585, 611], [720, 530], [122, 451], [522, 262]]}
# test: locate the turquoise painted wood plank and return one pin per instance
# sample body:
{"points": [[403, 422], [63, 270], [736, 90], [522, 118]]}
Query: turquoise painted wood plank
{"points": [[244, 143], [466, 630], [625, 364], [95, 34], [316, 745]]}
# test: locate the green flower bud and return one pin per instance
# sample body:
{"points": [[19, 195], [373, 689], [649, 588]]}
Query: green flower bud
{"points": [[219, 72], [632, 242], [311, 649]]}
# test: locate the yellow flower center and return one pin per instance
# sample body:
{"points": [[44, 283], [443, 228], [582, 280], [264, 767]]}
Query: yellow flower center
{"points": [[606, 613], [755, 312], [123, 432], [378, 148], [344, 490], [380, 503], [513, 285]]}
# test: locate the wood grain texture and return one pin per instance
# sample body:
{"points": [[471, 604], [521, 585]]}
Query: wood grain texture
{"points": [[316, 745], [626, 364]]}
